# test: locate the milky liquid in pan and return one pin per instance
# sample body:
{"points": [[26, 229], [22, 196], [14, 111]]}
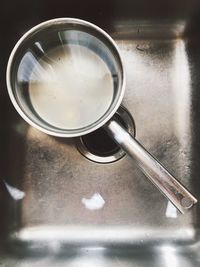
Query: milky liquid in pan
{"points": [[71, 87]]}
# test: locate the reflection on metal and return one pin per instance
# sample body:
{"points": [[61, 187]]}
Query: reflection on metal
{"points": [[171, 211], [97, 260], [146, 29], [169, 256], [15, 193], [182, 94], [96, 202], [27, 69], [89, 235], [39, 46], [182, 99]]}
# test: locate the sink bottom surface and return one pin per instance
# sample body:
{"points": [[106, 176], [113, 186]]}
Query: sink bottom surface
{"points": [[64, 210]]}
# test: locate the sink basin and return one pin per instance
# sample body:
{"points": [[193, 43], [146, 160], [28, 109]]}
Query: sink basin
{"points": [[60, 209]]}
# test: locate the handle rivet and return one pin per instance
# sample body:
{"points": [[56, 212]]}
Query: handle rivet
{"points": [[186, 202]]}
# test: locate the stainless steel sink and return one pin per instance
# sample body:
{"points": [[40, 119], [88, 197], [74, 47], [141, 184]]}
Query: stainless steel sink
{"points": [[46, 182]]}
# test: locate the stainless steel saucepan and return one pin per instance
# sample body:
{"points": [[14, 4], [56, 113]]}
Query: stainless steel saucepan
{"points": [[66, 78]]}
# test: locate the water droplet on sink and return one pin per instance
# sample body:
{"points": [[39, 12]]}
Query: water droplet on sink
{"points": [[96, 202]]}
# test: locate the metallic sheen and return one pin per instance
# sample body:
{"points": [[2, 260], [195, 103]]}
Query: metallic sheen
{"points": [[45, 33], [120, 153], [166, 183], [159, 42]]}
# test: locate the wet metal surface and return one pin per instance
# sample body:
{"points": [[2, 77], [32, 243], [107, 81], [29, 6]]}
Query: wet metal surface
{"points": [[135, 226]]}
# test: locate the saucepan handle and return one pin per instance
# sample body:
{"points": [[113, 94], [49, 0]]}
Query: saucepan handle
{"points": [[180, 197]]}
